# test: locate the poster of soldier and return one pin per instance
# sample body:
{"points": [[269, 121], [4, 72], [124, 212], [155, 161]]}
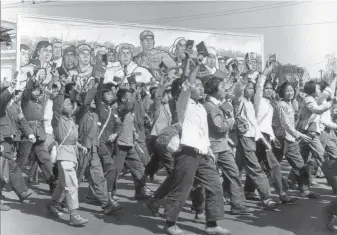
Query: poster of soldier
{"points": [[83, 50]]}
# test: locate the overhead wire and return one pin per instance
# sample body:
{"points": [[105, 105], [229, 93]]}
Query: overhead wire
{"points": [[224, 13]]}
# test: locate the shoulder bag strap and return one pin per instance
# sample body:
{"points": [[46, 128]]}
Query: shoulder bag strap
{"points": [[105, 124]]}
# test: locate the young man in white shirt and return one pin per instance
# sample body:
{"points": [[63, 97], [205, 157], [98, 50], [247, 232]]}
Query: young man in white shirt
{"points": [[195, 161]]}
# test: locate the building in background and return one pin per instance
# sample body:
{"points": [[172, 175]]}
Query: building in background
{"points": [[8, 49]]}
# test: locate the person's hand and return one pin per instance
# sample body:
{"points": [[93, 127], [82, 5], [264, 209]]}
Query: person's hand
{"points": [[305, 137], [84, 150], [112, 137], [32, 138], [211, 156], [1, 148]]}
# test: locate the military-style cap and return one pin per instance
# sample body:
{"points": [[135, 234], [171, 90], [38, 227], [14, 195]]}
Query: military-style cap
{"points": [[230, 61], [124, 46], [83, 47], [146, 33], [69, 48]]}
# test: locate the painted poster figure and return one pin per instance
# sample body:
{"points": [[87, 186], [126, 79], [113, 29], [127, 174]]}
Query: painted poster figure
{"points": [[42, 60], [125, 67], [150, 57], [241, 64], [57, 52], [211, 61], [25, 67], [111, 57], [68, 68], [85, 79]]}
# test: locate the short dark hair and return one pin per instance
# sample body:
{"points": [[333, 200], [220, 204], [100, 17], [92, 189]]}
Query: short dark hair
{"points": [[310, 87], [283, 88], [212, 85], [121, 94], [323, 85]]}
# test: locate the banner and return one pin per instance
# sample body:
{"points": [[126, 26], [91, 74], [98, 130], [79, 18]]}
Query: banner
{"points": [[77, 46]]}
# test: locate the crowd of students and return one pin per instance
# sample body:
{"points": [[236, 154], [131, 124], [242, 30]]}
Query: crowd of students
{"points": [[204, 133]]}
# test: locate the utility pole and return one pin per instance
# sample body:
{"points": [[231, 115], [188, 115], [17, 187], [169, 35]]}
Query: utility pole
{"points": [[321, 71]]}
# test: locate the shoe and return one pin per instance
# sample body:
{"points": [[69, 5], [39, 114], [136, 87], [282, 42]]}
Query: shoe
{"points": [[113, 207], [286, 199], [241, 210], [92, 200], [54, 210], [154, 206], [200, 217], [4, 207], [252, 197], [77, 221], [270, 204], [175, 230], [25, 195], [217, 231], [143, 194], [310, 195]]}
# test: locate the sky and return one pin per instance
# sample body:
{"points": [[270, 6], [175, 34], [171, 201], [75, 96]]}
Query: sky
{"points": [[306, 44]]}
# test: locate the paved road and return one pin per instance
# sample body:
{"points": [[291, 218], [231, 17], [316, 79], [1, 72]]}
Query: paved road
{"points": [[304, 218]]}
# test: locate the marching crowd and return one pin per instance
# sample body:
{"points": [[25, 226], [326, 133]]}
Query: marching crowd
{"points": [[204, 132]]}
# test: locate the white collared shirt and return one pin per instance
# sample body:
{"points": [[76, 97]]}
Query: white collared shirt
{"points": [[263, 108], [194, 121]]}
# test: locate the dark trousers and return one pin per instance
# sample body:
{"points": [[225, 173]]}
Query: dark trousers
{"points": [[91, 164], [271, 165], [163, 158], [128, 155], [40, 153], [142, 150], [15, 175], [226, 163], [190, 166], [293, 155], [105, 154], [246, 158], [160, 158]]}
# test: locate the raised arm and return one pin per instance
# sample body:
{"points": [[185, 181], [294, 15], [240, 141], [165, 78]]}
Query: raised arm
{"points": [[313, 107]]}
